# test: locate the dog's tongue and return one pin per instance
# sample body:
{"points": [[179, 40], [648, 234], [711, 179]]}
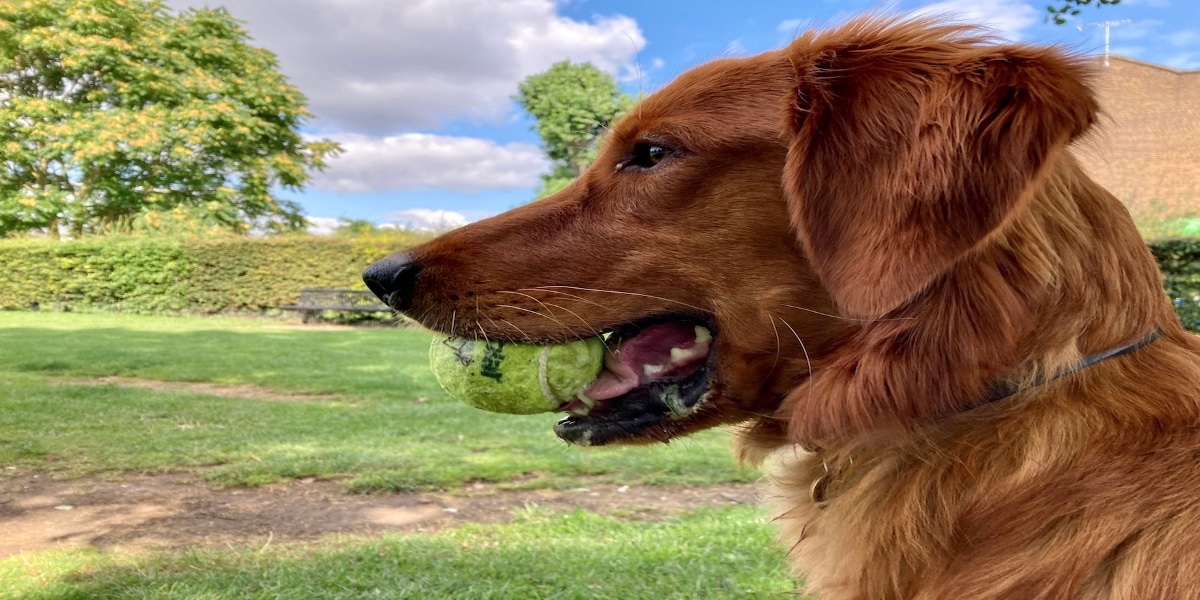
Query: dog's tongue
{"points": [[655, 353]]}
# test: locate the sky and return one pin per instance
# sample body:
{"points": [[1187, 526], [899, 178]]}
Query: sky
{"points": [[418, 92]]}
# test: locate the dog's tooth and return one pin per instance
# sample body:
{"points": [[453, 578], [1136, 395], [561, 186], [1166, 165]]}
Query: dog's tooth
{"points": [[703, 335], [654, 370], [682, 355], [588, 402], [581, 411]]}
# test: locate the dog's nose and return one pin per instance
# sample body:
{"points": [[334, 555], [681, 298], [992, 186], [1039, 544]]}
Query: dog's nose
{"points": [[393, 279]]}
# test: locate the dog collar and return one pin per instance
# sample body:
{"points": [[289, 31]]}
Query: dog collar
{"points": [[999, 391], [1003, 389]]}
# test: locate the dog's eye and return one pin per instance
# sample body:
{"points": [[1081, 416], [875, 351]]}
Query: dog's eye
{"points": [[647, 155]]}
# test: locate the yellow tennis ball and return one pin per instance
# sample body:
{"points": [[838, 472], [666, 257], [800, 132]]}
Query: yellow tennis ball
{"points": [[513, 378]]}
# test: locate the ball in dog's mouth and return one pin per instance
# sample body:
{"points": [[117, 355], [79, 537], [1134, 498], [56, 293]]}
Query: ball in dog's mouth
{"points": [[656, 373]]}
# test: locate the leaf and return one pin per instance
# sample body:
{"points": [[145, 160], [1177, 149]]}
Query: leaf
{"points": [[113, 110]]}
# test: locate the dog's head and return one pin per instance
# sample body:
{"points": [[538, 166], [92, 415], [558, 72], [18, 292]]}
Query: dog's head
{"points": [[794, 204]]}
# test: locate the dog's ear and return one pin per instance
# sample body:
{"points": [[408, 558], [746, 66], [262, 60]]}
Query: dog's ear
{"points": [[906, 155]]}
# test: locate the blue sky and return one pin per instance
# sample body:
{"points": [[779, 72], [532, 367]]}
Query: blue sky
{"points": [[418, 91]]}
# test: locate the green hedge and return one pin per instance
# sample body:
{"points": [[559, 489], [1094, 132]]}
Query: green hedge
{"points": [[192, 276], [198, 276], [1180, 262]]}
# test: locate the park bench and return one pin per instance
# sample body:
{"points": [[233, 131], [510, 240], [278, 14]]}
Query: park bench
{"points": [[315, 300]]}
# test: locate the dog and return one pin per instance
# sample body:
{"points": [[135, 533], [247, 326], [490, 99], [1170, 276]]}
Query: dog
{"points": [[873, 252]]}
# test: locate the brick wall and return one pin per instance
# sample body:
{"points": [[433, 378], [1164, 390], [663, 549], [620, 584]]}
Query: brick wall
{"points": [[1147, 148]]}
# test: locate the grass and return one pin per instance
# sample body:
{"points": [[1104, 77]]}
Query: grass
{"points": [[710, 553], [388, 426], [381, 423]]}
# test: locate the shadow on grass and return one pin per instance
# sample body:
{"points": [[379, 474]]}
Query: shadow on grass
{"points": [[401, 432]]}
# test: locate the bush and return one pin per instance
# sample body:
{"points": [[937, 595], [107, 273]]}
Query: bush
{"points": [[1180, 262], [184, 275], [236, 274]]}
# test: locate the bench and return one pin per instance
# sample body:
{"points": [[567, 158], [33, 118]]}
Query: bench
{"points": [[315, 300]]}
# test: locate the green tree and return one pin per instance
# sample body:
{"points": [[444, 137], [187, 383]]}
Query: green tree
{"points": [[573, 104], [114, 109], [1062, 9], [354, 228]]}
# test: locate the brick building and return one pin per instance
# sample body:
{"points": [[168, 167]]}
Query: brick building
{"points": [[1147, 148]]}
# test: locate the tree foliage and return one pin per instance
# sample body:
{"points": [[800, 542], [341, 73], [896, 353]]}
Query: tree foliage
{"points": [[573, 104], [1060, 11], [115, 110]]}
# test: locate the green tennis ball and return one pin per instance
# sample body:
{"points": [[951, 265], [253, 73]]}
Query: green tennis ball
{"points": [[512, 378]]}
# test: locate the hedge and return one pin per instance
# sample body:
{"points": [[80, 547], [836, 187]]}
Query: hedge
{"points": [[208, 276], [182, 276], [1180, 262]]}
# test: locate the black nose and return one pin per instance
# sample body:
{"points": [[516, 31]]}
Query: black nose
{"points": [[393, 279]]}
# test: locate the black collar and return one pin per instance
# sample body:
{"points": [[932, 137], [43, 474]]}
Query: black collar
{"points": [[998, 391], [1003, 389]]}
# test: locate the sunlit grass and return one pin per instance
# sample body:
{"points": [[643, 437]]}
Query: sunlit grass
{"points": [[385, 424], [709, 553]]}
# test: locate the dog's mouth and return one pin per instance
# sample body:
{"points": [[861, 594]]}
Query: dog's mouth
{"points": [[651, 374]]}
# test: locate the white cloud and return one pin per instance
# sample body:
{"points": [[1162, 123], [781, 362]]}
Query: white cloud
{"points": [[1130, 51], [1183, 39], [735, 48], [1008, 18], [321, 225], [1184, 60], [1136, 30], [383, 66], [425, 219], [421, 160], [793, 26]]}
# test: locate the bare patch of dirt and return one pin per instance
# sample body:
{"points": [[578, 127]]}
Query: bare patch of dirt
{"points": [[252, 392], [312, 327], [166, 511]]}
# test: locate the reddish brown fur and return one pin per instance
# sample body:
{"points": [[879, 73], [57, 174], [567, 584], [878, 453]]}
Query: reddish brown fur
{"points": [[916, 181]]}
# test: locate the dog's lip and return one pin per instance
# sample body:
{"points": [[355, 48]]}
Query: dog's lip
{"points": [[635, 414]]}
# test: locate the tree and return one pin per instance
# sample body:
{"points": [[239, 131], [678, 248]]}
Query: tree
{"points": [[573, 104], [354, 227], [1059, 11], [112, 109]]}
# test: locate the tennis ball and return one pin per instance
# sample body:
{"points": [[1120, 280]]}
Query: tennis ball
{"points": [[513, 378]]}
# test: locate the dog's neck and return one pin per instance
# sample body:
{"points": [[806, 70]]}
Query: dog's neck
{"points": [[1005, 389]]}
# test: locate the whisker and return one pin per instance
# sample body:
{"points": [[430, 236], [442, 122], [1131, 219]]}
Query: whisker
{"points": [[492, 321], [480, 312], [802, 347], [583, 289], [534, 312], [523, 334], [453, 315], [586, 324], [637, 63], [549, 313], [817, 312], [485, 337], [579, 298], [778, 346]]}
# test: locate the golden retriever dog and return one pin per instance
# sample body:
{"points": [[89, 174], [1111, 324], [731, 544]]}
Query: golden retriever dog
{"points": [[951, 343]]}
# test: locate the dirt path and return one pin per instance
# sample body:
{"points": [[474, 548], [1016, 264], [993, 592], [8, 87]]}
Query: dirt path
{"points": [[165, 511], [252, 392]]}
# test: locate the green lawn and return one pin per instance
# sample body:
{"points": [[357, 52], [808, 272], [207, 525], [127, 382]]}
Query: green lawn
{"points": [[388, 426], [379, 424], [708, 554]]}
